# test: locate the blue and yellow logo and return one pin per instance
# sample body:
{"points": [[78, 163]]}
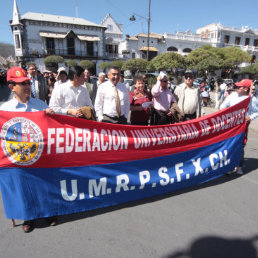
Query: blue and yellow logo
{"points": [[22, 141]]}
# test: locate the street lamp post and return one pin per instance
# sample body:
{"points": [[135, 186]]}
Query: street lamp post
{"points": [[132, 18], [148, 40]]}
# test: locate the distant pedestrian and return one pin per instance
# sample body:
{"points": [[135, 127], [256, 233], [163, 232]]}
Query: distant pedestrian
{"points": [[90, 84], [102, 78], [62, 76]]}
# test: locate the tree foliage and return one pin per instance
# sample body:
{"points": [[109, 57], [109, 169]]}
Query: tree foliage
{"points": [[205, 58], [251, 69], [54, 59], [234, 56], [167, 61], [117, 63], [86, 64], [134, 65], [104, 66], [208, 58], [70, 63]]}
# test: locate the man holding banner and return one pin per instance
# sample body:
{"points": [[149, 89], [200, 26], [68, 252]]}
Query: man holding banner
{"points": [[20, 85], [69, 97], [243, 90]]}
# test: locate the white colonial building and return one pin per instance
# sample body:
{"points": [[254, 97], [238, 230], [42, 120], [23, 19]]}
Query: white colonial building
{"points": [[113, 36], [222, 36], [185, 42], [38, 35]]}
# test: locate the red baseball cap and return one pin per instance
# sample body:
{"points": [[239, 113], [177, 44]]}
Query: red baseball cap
{"points": [[244, 83], [17, 74]]}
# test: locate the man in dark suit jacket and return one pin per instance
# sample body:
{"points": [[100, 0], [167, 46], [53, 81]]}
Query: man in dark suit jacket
{"points": [[39, 87], [91, 85]]}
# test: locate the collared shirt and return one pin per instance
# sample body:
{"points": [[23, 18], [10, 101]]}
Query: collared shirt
{"points": [[105, 100], [66, 96], [189, 99], [35, 84], [31, 105], [234, 98], [162, 99]]}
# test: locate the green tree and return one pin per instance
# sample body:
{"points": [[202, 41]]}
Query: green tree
{"points": [[150, 67], [54, 59], [104, 66], [70, 63], [87, 64], [205, 58], [134, 65], [52, 62], [250, 69], [118, 63], [167, 61], [234, 56], [208, 58]]}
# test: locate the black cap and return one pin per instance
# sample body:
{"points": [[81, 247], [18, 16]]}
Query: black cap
{"points": [[189, 72]]}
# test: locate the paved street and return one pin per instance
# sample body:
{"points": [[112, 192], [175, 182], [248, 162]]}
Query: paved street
{"points": [[217, 219]]}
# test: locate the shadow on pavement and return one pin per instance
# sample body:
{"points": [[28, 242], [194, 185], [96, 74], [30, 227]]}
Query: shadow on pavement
{"points": [[218, 247]]}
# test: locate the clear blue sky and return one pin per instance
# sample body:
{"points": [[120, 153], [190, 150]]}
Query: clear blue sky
{"points": [[166, 15]]}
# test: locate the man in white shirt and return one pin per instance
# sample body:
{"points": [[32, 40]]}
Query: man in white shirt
{"points": [[222, 88], [112, 102], [69, 97], [189, 97], [243, 90], [20, 84]]}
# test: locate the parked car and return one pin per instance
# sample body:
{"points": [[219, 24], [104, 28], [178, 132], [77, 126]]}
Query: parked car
{"points": [[198, 81]]}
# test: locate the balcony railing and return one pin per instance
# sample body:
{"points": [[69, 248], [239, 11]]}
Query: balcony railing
{"points": [[61, 52]]}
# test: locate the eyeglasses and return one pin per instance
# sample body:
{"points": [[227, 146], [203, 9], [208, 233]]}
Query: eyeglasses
{"points": [[188, 76], [25, 83]]}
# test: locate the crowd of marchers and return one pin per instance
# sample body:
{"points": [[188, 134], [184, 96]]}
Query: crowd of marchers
{"points": [[73, 92]]}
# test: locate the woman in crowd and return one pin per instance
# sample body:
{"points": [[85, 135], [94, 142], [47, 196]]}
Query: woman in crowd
{"points": [[139, 103], [62, 76]]}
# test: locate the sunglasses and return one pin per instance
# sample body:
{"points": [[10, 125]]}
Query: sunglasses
{"points": [[164, 81], [188, 76], [25, 83]]}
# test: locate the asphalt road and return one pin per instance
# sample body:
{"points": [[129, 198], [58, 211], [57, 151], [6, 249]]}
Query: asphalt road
{"points": [[217, 219]]}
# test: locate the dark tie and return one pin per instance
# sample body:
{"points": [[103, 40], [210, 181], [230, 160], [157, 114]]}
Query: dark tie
{"points": [[33, 88]]}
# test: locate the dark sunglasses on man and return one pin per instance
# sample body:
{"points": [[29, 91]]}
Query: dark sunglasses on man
{"points": [[22, 83], [190, 76]]}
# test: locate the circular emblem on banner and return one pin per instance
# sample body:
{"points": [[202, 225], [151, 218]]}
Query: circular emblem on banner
{"points": [[22, 141]]}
